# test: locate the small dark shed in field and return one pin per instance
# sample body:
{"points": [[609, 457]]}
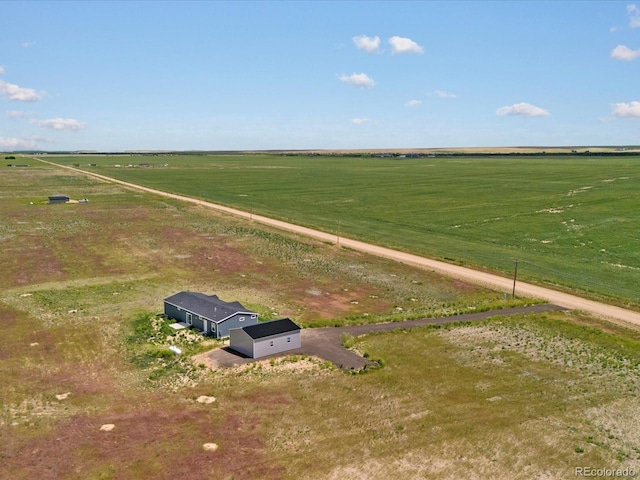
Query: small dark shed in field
{"points": [[266, 338], [58, 199], [208, 313]]}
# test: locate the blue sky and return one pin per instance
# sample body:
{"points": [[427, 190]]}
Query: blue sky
{"points": [[217, 75]]}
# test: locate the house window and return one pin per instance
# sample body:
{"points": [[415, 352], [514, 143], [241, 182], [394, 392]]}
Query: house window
{"points": [[253, 317], [241, 319]]}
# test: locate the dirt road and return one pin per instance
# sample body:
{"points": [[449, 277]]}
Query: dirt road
{"points": [[496, 282]]}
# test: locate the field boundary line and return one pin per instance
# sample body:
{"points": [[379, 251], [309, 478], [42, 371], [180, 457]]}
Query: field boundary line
{"points": [[466, 274]]}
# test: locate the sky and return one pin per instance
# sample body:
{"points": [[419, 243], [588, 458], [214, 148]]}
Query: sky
{"points": [[255, 75]]}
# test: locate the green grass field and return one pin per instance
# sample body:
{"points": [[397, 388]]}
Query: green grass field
{"points": [[572, 222], [81, 348]]}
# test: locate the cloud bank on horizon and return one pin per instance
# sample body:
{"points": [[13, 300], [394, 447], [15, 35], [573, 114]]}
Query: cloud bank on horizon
{"points": [[429, 74]]}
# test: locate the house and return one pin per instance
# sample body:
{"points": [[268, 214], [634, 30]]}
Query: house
{"points": [[208, 313], [265, 338], [58, 199]]}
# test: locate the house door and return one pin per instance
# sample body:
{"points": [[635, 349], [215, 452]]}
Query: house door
{"points": [[189, 319]]}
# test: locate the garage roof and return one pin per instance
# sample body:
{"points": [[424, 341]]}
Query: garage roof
{"points": [[274, 327]]}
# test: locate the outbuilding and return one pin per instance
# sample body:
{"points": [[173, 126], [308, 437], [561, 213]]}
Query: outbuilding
{"points": [[208, 313], [59, 199], [265, 338]]}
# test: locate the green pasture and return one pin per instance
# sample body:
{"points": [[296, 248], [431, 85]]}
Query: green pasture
{"points": [[570, 221]]}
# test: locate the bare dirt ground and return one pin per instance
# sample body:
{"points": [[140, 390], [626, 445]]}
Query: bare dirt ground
{"points": [[610, 312]]}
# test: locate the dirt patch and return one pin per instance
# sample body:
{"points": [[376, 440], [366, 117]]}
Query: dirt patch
{"points": [[33, 264], [150, 442], [316, 303], [182, 247]]}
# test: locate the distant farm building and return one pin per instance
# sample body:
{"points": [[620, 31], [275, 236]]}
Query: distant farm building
{"points": [[208, 313], [58, 199], [265, 338]]}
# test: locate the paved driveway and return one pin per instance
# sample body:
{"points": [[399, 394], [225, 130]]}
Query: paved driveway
{"points": [[326, 342]]}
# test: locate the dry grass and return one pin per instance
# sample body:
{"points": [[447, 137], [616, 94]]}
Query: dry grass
{"points": [[502, 399]]}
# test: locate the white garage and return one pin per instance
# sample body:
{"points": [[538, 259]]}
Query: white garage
{"points": [[265, 338]]}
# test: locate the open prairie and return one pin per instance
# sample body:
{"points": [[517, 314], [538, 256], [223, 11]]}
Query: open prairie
{"points": [[570, 221], [89, 391]]}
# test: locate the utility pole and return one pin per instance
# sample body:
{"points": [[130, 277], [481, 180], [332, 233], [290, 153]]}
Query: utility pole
{"points": [[515, 275]]}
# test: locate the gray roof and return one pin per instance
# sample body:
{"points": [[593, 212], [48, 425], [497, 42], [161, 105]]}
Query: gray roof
{"points": [[274, 327], [208, 306]]}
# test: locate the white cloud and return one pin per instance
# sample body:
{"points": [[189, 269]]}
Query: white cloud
{"points": [[412, 103], [443, 94], [626, 110], [60, 124], [16, 114], [43, 139], [634, 15], [622, 52], [360, 80], [404, 45], [1, 70], [14, 92], [523, 109], [368, 44], [27, 44], [16, 143], [359, 121]]}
